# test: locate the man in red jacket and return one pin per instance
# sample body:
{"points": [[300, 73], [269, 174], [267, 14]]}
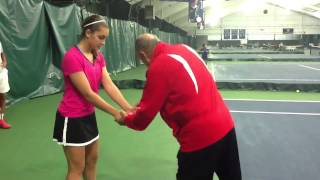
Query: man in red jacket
{"points": [[180, 86]]}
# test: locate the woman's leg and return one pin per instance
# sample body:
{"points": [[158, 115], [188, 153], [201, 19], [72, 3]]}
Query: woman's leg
{"points": [[76, 162], [2, 103], [91, 158], [3, 123]]}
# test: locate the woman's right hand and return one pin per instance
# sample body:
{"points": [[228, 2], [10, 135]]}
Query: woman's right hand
{"points": [[119, 117]]}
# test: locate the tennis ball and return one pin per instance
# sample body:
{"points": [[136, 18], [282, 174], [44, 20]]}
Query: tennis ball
{"points": [[297, 90]]}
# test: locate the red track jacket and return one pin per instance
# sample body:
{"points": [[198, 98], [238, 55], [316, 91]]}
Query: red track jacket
{"points": [[180, 86]]}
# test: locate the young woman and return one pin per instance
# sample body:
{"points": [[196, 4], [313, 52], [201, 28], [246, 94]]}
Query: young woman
{"points": [[75, 127]]}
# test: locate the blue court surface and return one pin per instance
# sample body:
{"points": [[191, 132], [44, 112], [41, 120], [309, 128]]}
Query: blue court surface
{"points": [[278, 140], [272, 72], [265, 57]]}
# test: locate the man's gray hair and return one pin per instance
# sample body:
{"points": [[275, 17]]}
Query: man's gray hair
{"points": [[146, 42]]}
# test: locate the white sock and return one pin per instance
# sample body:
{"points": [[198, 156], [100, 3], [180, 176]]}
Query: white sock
{"points": [[1, 115]]}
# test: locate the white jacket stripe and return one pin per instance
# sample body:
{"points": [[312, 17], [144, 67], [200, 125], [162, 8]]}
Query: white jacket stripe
{"points": [[187, 67]]}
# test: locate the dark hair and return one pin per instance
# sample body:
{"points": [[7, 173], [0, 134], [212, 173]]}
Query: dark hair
{"points": [[92, 27]]}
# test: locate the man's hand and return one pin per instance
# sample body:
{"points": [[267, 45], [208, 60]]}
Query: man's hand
{"points": [[131, 110], [119, 118]]}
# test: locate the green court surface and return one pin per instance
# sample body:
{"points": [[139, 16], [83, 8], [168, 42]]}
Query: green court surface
{"points": [[27, 150]]}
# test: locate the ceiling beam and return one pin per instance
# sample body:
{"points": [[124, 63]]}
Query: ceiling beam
{"points": [[314, 7], [178, 15], [171, 10], [184, 23], [180, 19]]}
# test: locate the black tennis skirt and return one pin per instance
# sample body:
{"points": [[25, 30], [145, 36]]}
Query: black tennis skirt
{"points": [[80, 131]]}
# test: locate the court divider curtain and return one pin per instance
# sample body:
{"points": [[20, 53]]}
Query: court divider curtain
{"points": [[24, 36]]}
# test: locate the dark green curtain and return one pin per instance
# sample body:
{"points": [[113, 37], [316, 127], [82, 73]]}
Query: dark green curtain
{"points": [[119, 46], [64, 26], [24, 36]]}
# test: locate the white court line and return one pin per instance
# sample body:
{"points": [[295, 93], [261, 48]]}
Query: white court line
{"points": [[269, 100], [265, 56], [281, 113], [309, 67]]}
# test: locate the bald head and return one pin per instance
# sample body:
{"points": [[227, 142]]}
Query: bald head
{"points": [[146, 43]]}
